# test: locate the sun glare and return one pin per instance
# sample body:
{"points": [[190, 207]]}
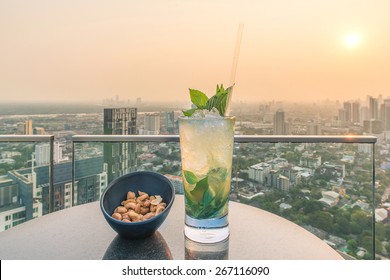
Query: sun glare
{"points": [[352, 40]]}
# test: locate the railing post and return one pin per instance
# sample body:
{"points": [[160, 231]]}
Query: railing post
{"points": [[73, 174], [373, 204], [51, 175]]}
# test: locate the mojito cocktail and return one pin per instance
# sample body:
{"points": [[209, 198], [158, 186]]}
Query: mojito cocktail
{"points": [[206, 144]]}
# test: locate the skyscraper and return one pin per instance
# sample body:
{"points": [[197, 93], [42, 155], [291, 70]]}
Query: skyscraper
{"points": [[342, 115], [279, 125], [387, 115], [373, 107], [28, 130], [356, 112], [152, 124], [170, 122], [364, 114], [348, 111], [120, 158], [42, 153]]}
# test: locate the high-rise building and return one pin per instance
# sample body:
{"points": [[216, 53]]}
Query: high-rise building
{"points": [[382, 112], [387, 115], [42, 153], [151, 124], [259, 172], [283, 183], [356, 112], [121, 158], [28, 130], [348, 111], [25, 193], [279, 124], [364, 114], [342, 115], [373, 107], [373, 126], [170, 122]]}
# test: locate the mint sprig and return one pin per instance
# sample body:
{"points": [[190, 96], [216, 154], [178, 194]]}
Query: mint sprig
{"points": [[201, 200], [202, 102]]}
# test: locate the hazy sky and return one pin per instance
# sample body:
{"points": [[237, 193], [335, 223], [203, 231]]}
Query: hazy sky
{"points": [[291, 50]]}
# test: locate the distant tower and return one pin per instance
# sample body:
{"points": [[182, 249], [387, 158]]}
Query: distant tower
{"points": [[42, 153], [279, 124], [348, 111], [387, 115], [152, 124], [342, 115], [121, 158], [313, 129], [28, 130], [170, 122], [356, 112], [364, 114], [373, 107]]}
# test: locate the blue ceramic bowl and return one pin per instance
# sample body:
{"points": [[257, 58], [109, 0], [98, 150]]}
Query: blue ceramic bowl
{"points": [[146, 181]]}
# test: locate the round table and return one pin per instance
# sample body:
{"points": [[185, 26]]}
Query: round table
{"points": [[81, 232]]}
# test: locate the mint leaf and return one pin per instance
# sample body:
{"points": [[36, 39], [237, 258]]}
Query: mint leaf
{"points": [[220, 90], [219, 173], [221, 105], [198, 98], [189, 112], [200, 188], [218, 101], [207, 198], [190, 177]]}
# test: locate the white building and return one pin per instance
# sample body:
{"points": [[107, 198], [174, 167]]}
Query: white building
{"points": [[329, 198], [334, 169], [42, 153], [151, 124], [259, 171], [284, 183], [381, 215], [310, 160], [278, 163]]}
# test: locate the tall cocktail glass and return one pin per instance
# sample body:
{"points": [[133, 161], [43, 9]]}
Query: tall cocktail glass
{"points": [[206, 145]]}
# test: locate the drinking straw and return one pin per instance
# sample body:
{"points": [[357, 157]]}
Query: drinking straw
{"points": [[234, 66]]}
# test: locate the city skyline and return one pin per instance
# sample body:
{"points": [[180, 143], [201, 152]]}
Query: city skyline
{"points": [[293, 51]]}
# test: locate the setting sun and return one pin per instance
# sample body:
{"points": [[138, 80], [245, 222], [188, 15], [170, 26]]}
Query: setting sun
{"points": [[352, 40]]}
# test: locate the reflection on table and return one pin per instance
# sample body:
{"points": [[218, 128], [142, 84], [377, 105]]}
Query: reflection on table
{"points": [[151, 248], [200, 251]]}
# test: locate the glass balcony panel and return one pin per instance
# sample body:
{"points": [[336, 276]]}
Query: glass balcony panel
{"points": [[326, 187], [323, 184]]}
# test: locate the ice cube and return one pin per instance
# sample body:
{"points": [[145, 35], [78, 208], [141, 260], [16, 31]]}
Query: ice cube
{"points": [[213, 114]]}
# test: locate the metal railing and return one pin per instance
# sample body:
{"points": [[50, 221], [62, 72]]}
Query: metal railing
{"points": [[241, 139], [237, 139], [272, 139]]}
